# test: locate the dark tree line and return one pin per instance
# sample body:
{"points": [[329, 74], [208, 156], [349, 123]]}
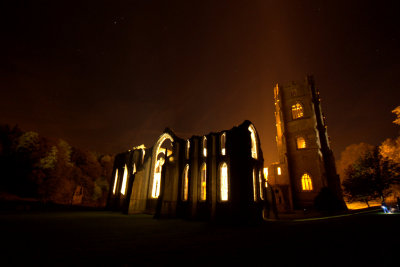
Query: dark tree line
{"points": [[51, 170]]}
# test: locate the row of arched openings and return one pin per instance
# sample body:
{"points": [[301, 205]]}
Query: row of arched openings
{"points": [[223, 182], [160, 155], [204, 146], [124, 180]]}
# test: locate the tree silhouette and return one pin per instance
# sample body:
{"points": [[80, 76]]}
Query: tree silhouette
{"points": [[370, 177]]}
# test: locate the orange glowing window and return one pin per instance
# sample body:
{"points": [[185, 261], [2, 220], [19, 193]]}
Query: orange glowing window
{"points": [[260, 179], [124, 180], [306, 182], [187, 148], [301, 143], [115, 181], [266, 176], [297, 111], [279, 171], [254, 185], [185, 183], [223, 141], [252, 131], [203, 181], [224, 181], [157, 178], [204, 146]]}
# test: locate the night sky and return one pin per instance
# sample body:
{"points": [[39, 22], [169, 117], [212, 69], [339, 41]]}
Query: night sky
{"points": [[109, 75]]}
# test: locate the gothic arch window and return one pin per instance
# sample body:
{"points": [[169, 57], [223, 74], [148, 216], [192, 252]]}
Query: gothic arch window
{"points": [[204, 146], [161, 150], [223, 142], [266, 176], [224, 180], [185, 186], [115, 181], [203, 182], [297, 111], [254, 185], [252, 131], [143, 154], [306, 183], [301, 142], [260, 180], [124, 180], [187, 149]]}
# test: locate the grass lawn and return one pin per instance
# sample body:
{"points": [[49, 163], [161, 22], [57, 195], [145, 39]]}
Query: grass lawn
{"points": [[108, 238]]}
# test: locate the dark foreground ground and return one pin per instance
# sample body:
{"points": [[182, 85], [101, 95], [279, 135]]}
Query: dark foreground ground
{"points": [[107, 238]]}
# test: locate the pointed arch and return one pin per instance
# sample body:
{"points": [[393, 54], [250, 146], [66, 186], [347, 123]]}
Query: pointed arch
{"points": [[124, 180], [253, 136], [297, 111], [203, 182], [158, 160], [306, 182], [115, 181], [223, 144], [204, 145], [185, 183], [301, 142], [224, 181]]}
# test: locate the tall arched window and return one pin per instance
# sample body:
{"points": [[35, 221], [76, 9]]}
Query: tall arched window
{"points": [[260, 179], [301, 142], [187, 148], [297, 111], [266, 176], [161, 150], [224, 181], [252, 131], [204, 146], [124, 180], [185, 193], [306, 182], [115, 181], [203, 182], [223, 142], [254, 185], [143, 154], [157, 178]]}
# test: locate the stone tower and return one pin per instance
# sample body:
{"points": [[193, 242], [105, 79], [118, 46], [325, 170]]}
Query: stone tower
{"points": [[306, 160]]}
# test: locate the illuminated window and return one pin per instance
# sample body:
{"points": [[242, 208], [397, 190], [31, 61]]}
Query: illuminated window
{"points": [[254, 185], [253, 142], [162, 149], [203, 181], [185, 183], [204, 146], [306, 182], [115, 181], [260, 179], [301, 143], [143, 154], [266, 176], [223, 141], [157, 178], [187, 148], [124, 180], [279, 171], [224, 181], [297, 111]]}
